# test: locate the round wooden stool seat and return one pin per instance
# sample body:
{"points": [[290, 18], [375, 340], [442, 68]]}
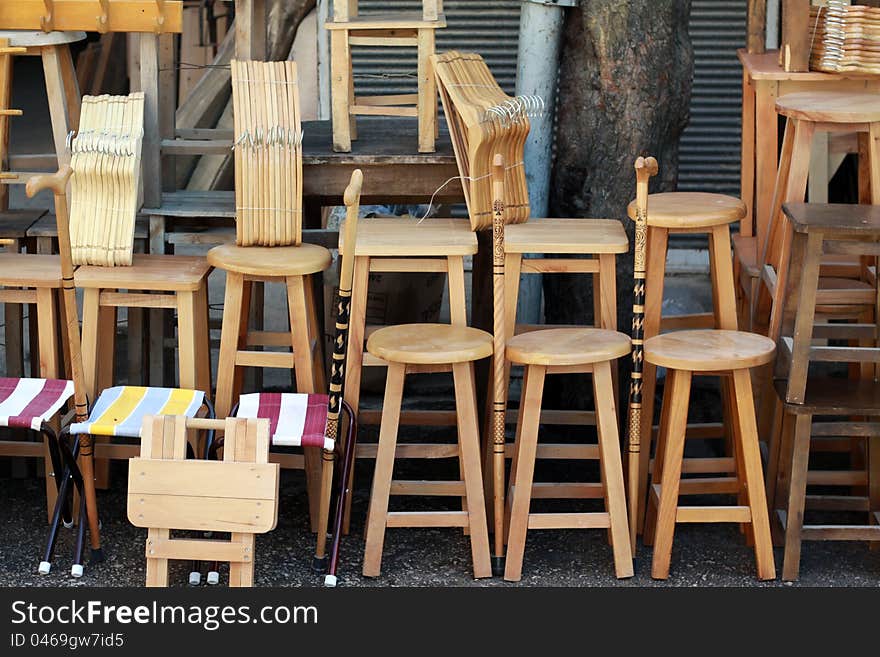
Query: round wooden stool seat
{"points": [[270, 261], [37, 38], [430, 344], [567, 346], [690, 210], [830, 106], [709, 350], [30, 270]]}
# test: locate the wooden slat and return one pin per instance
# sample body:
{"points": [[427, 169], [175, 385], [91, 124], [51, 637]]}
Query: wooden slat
{"points": [[409, 265], [196, 146], [567, 491], [437, 488], [410, 42], [134, 300], [411, 451], [427, 519], [840, 533], [845, 429], [368, 110], [560, 265], [195, 549], [708, 486], [216, 479], [409, 418], [200, 513], [569, 520], [713, 514], [837, 503], [268, 339], [837, 478], [264, 359]]}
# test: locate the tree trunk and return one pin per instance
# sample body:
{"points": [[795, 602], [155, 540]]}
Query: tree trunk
{"points": [[624, 91]]}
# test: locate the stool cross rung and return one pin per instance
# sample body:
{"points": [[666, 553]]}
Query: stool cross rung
{"points": [[598, 520]]}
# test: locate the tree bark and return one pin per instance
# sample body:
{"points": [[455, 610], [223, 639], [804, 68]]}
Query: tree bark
{"points": [[624, 91]]}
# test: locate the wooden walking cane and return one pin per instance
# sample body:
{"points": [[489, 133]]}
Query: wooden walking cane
{"points": [[645, 168], [57, 182], [499, 385]]}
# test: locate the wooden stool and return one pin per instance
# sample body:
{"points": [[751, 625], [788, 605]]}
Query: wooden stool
{"points": [[686, 213], [406, 348], [238, 494], [402, 244], [35, 280], [408, 29], [684, 354], [552, 351], [62, 90], [808, 113]]}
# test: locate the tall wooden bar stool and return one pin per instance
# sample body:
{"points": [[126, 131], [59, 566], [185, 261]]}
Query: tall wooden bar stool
{"points": [[685, 213], [409, 347], [402, 244], [806, 114], [394, 29], [700, 352], [268, 245], [818, 411]]}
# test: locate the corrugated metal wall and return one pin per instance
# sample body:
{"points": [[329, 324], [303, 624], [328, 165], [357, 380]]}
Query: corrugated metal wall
{"points": [[710, 146], [489, 27]]}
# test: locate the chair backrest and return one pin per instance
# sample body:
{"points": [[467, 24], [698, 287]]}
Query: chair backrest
{"points": [[105, 188], [343, 305], [268, 153], [484, 121]]}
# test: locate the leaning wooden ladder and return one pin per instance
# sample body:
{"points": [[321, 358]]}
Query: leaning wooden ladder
{"points": [[168, 492]]}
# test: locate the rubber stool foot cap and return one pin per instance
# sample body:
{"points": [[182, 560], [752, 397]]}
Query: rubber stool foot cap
{"points": [[76, 570], [195, 578], [44, 568], [67, 525], [497, 566], [330, 580], [213, 578], [319, 564]]}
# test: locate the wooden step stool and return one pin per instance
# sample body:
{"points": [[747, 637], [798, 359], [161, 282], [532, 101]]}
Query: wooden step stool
{"points": [[398, 29], [167, 492], [713, 352]]}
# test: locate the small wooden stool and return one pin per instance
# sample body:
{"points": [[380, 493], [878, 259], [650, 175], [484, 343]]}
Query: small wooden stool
{"points": [[684, 354], [396, 29], [573, 350], [408, 347], [168, 492], [686, 213]]}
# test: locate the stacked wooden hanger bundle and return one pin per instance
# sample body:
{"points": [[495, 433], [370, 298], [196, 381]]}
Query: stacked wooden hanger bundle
{"points": [[846, 38], [104, 190], [485, 121], [268, 154]]}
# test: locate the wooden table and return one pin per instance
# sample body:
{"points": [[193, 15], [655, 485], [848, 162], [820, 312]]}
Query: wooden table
{"points": [[763, 82]]}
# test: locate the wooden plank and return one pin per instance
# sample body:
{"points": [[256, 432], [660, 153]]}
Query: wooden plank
{"points": [[569, 520], [264, 359], [198, 478], [74, 15], [438, 488], [568, 491], [196, 549], [713, 514], [427, 519], [411, 451], [796, 32], [840, 533], [201, 513], [131, 300], [371, 110]]}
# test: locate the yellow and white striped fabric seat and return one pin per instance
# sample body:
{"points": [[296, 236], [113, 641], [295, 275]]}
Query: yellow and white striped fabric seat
{"points": [[120, 411]]}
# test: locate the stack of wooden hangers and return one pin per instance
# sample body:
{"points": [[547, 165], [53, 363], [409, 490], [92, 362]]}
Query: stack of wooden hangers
{"points": [[105, 187], [846, 38]]}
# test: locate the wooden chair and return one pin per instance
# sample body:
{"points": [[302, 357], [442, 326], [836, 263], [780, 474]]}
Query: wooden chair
{"points": [[551, 351], [484, 121], [116, 414], [684, 353], [167, 491], [819, 412], [268, 244], [312, 420], [387, 29]]}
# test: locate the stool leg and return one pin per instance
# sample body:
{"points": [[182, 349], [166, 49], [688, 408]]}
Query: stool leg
{"points": [[751, 459], [672, 457], [800, 457], [873, 468], [427, 96], [229, 337], [612, 468], [90, 340], [305, 381], [203, 340], [186, 340], [316, 333], [469, 450], [521, 485], [657, 473], [378, 514]]}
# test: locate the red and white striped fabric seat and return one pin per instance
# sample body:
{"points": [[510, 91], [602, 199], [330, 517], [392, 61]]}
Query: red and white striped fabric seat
{"points": [[27, 403], [295, 419]]}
